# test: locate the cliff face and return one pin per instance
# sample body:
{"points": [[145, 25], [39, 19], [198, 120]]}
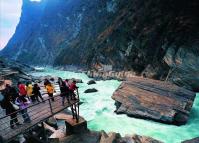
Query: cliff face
{"points": [[153, 37]]}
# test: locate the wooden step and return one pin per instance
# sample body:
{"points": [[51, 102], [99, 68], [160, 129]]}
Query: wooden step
{"points": [[72, 127]]}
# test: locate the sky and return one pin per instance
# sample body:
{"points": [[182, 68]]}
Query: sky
{"points": [[10, 11]]}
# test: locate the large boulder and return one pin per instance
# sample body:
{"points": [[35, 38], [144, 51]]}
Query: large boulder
{"points": [[90, 90], [152, 99], [91, 82]]}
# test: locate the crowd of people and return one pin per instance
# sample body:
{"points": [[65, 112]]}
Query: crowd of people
{"points": [[17, 99]]}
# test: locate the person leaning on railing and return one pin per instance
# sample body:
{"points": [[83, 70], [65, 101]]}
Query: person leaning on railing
{"points": [[72, 89]]}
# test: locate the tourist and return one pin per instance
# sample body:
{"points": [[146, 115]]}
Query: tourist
{"points": [[36, 92], [7, 104], [13, 92], [46, 82], [67, 83], [50, 90], [22, 91], [72, 89], [29, 90], [23, 109], [64, 90]]}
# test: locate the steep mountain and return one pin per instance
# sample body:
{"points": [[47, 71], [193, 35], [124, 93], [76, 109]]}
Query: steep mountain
{"points": [[157, 38]]}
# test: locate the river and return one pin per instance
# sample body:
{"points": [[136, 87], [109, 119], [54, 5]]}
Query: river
{"points": [[98, 109]]}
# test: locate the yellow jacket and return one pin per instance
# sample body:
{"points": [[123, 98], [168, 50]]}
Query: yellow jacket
{"points": [[29, 89], [50, 88]]}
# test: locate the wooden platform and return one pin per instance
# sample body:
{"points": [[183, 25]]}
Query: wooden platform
{"points": [[72, 127], [38, 113]]}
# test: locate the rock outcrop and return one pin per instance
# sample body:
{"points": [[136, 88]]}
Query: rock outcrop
{"points": [[81, 134], [152, 99], [91, 82], [90, 90], [195, 140], [155, 38], [14, 70], [116, 138], [102, 137]]}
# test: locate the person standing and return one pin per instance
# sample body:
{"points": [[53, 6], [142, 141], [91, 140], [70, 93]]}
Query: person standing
{"points": [[13, 92], [50, 90], [63, 90], [72, 89], [22, 91], [6, 104], [23, 109], [36, 92], [29, 90], [46, 82]]}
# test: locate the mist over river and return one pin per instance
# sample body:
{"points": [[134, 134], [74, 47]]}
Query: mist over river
{"points": [[98, 109]]}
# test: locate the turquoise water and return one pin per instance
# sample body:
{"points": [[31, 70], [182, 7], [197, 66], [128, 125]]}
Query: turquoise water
{"points": [[98, 110]]}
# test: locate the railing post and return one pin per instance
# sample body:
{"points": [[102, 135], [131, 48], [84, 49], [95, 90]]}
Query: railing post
{"points": [[50, 106], [78, 105], [76, 116]]}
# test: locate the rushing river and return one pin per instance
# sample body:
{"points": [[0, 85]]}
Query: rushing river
{"points": [[98, 109]]}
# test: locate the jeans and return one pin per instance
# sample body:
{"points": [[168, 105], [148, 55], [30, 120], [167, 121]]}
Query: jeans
{"points": [[65, 96], [25, 115], [13, 119], [51, 95], [37, 96]]}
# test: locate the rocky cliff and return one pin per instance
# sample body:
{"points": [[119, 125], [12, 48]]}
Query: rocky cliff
{"points": [[155, 38]]}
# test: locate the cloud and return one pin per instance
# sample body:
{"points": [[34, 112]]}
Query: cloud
{"points": [[10, 11]]}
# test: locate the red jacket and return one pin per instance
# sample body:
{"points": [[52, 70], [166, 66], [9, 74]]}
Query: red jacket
{"points": [[73, 86], [22, 89]]}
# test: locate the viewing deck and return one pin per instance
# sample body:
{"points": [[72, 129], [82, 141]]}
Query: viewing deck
{"points": [[38, 112]]}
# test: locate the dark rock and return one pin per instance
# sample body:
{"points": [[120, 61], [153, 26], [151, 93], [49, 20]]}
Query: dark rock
{"points": [[88, 137], [91, 82], [195, 140], [103, 137], [110, 137], [116, 138], [152, 99], [77, 80], [143, 139], [90, 90]]}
